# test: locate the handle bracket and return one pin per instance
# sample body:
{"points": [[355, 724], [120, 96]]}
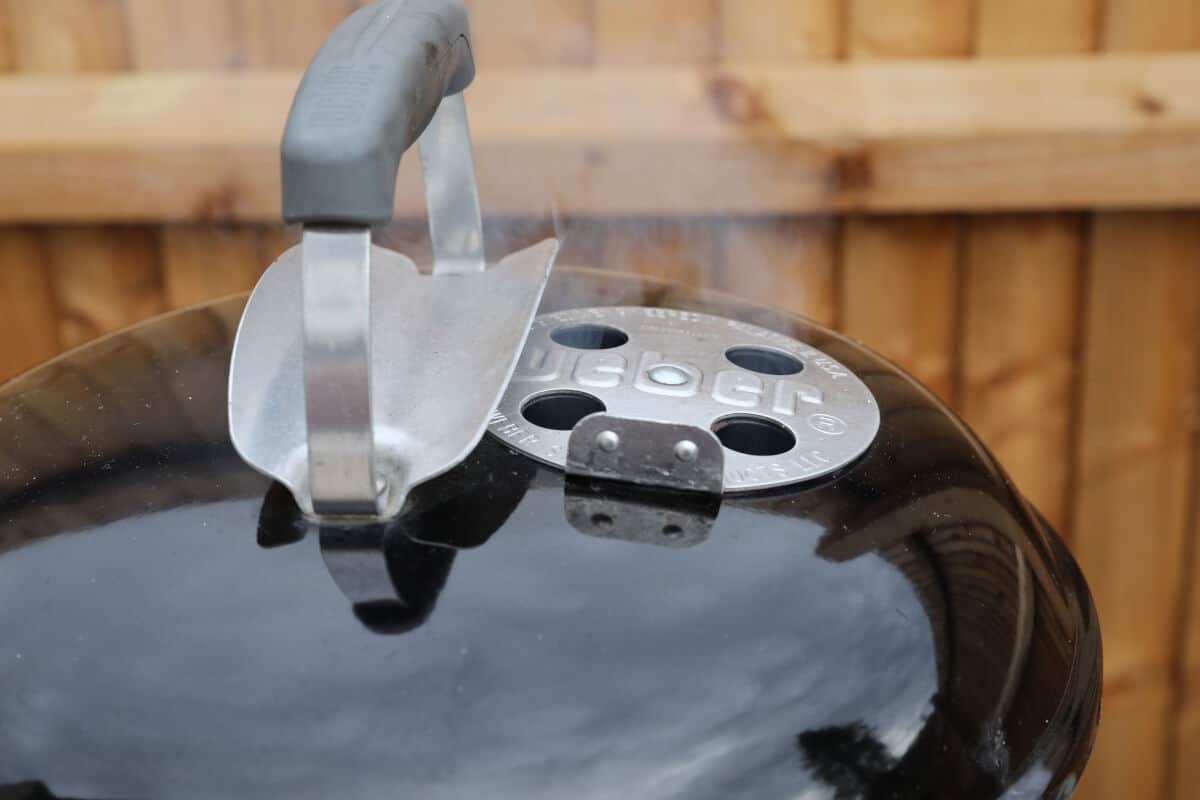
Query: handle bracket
{"points": [[451, 191], [390, 74], [343, 477]]}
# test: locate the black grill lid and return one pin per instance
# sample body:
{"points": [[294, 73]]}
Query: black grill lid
{"points": [[170, 627]]}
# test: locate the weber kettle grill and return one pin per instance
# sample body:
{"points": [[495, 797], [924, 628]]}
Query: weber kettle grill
{"points": [[669, 544]]}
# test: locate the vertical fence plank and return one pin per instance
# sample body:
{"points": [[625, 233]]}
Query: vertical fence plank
{"points": [[67, 35], [764, 31], [203, 263], [102, 279], [1022, 279], [1022, 307], [524, 33], [1138, 713], [6, 40], [787, 263], [899, 292], [27, 314], [635, 32], [900, 284], [105, 279], [1185, 732], [682, 251], [273, 240], [1138, 460], [27, 328], [1036, 27], [521, 33], [1172, 25], [1020, 337], [910, 28], [1138, 25], [27, 310], [176, 34], [1140, 371], [287, 33]]}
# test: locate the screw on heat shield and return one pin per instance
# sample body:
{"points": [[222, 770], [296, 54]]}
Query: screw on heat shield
{"points": [[687, 451], [608, 441]]}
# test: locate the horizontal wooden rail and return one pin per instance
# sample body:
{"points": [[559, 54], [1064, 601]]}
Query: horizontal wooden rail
{"points": [[1095, 132]]}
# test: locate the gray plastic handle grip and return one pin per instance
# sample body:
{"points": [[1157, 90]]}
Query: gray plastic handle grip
{"points": [[366, 98]]}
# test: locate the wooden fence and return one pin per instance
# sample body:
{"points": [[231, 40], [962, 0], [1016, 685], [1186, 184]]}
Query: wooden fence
{"points": [[998, 194]]}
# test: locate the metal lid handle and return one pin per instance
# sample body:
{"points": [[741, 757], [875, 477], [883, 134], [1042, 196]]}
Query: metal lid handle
{"points": [[390, 74], [368, 95]]}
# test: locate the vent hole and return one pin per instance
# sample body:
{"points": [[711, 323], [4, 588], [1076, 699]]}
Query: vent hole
{"points": [[561, 411], [764, 361], [754, 436], [590, 337]]}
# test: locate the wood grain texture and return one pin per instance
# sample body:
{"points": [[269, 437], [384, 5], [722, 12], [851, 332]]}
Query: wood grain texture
{"points": [[286, 33], [178, 35], [1141, 25], [273, 240], [1139, 716], [1133, 501], [1023, 278], [27, 309], [804, 139], [28, 315], [68, 35], [1185, 728], [102, 279], [788, 263], [910, 28], [779, 31], [1185, 744], [1022, 28], [6, 41], [583, 241], [202, 263], [1149, 583], [683, 251], [900, 275], [105, 279], [524, 33], [638, 33], [899, 283]]}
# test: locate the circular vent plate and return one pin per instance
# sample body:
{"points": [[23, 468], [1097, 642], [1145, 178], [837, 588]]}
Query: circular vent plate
{"points": [[785, 412]]}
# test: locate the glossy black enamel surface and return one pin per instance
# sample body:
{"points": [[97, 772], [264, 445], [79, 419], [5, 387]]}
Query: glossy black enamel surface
{"points": [[170, 627]]}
